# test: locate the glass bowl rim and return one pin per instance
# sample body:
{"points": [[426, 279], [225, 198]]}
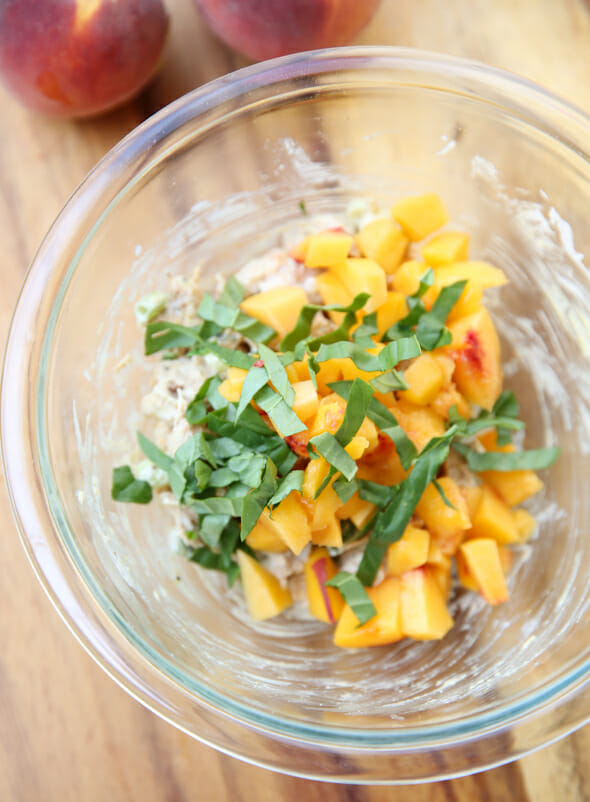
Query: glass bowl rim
{"points": [[56, 571]]}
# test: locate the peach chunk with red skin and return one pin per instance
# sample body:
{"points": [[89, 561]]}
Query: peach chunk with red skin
{"points": [[476, 351], [79, 57], [325, 603], [262, 29]]}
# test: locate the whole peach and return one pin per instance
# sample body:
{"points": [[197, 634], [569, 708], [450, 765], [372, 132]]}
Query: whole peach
{"points": [[262, 29], [79, 57]]}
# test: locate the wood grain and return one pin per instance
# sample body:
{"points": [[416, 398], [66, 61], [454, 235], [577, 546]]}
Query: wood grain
{"points": [[67, 732]]}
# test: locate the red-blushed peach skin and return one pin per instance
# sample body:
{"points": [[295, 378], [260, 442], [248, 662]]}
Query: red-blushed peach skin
{"points": [[79, 57], [262, 29]]}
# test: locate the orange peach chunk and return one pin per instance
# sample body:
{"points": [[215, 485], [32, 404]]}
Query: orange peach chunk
{"points": [[264, 594], [476, 350], [482, 559], [424, 614], [514, 486], [383, 241], [328, 249], [410, 551], [325, 603], [420, 215], [425, 379], [447, 524], [384, 627], [450, 246], [493, 518], [278, 307], [289, 521]]}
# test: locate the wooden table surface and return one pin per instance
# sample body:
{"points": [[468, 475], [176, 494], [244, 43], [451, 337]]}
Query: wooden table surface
{"points": [[67, 732]]}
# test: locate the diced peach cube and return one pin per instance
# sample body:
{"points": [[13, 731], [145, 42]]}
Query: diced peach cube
{"points": [[289, 521], [440, 567], [420, 215], [330, 413], [424, 614], [411, 551], [476, 350], [264, 594], [333, 291], [447, 524], [278, 307], [383, 241], [262, 538], [421, 424], [448, 398], [315, 472], [357, 447], [328, 249], [425, 379], [382, 465], [385, 627], [306, 401], [479, 276], [324, 508], [330, 535], [482, 558], [450, 246], [472, 495], [407, 281], [299, 250], [325, 603], [394, 308], [356, 510], [493, 518], [361, 275], [525, 523], [514, 486], [231, 389]]}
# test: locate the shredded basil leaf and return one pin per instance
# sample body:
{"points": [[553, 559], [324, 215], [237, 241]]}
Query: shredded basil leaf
{"points": [[430, 331], [354, 595], [257, 499], [345, 489], [377, 494], [126, 487], [386, 422], [534, 459], [330, 449], [280, 413], [232, 317], [162, 335], [443, 495], [292, 481], [426, 281], [277, 374], [302, 328], [255, 380], [393, 519]]}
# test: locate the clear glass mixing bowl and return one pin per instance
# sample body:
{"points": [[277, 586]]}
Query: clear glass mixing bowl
{"points": [[214, 179]]}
